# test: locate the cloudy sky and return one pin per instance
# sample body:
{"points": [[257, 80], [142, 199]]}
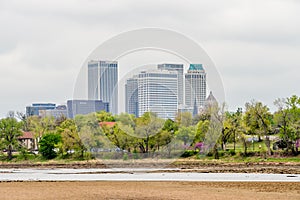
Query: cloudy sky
{"points": [[255, 44]]}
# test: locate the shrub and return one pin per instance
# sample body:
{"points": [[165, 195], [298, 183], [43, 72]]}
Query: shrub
{"points": [[232, 152], [188, 153], [47, 145], [125, 156]]}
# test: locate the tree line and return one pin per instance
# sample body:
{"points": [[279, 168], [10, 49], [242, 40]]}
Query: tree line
{"points": [[209, 131]]}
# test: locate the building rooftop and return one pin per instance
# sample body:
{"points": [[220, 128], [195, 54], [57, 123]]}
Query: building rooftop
{"points": [[194, 67], [211, 97], [109, 124], [26, 135]]}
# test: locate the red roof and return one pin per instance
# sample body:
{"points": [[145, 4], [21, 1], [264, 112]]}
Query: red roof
{"points": [[109, 124], [26, 135]]}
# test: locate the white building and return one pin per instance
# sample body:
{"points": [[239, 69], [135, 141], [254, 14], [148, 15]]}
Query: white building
{"points": [[195, 86], [103, 82], [158, 93], [179, 69]]}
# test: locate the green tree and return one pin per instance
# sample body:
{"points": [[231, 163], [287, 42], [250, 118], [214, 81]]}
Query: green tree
{"points": [[48, 143], [287, 120], [258, 120], [184, 119], [121, 136], [103, 116], [39, 126], [70, 138], [10, 130], [147, 126], [186, 134], [233, 125], [202, 128]]}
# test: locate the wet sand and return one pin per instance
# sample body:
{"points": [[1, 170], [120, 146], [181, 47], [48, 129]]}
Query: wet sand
{"points": [[184, 165], [149, 190]]}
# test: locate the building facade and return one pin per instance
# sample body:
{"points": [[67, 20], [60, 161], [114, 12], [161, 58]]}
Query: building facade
{"points": [[103, 82], [83, 107], [158, 93], [131, 96], [58, 112], [35, 108], [195, 86], [179, 68]]}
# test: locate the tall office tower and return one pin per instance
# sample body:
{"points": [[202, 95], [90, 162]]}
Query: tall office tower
{"points": [[131, 96], [195, 86], [103, 82], [158, 93], [179, 68]]}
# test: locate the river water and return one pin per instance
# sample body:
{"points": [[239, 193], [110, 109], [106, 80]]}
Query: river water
{"points": [[145, 174]]}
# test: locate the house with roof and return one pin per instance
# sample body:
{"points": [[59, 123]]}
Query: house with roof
{"points": [[27, 140]]}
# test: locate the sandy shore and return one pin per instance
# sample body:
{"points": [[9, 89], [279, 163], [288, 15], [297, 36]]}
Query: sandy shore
{"points": [[148, 190]]}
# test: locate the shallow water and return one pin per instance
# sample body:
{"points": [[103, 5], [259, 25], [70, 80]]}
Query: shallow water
{"points": [[121, 174]]}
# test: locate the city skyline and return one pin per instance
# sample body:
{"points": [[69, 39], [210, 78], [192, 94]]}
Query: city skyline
{"points": [[254, 44], [152, 87], [155, 90]]}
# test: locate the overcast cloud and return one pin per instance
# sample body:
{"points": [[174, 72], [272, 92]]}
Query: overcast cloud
{"points": [[255, 44]]}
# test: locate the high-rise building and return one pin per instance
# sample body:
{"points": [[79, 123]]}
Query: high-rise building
{"points": [[103, 82], [83, 107], [158, 93], [195, 86], [131, 96], [179, 69]]}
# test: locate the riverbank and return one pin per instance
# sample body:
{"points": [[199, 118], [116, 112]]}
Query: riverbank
{"points": [[149, 190], [180, 165]]}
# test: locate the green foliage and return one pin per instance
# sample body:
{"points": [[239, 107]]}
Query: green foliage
{"points": [[10, 130], [125, 156], [202, 128], [287, 120], [49, 142], [103, 116], [186, 134], [149, 135], [70, 139], [188, 153], [258, 121], [39, 126], [184, 119]]}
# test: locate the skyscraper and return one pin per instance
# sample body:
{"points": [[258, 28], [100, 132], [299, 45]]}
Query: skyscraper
{"points": [[158, 93], [131, 96], [195, 86], [179, 69], [103, 82]]}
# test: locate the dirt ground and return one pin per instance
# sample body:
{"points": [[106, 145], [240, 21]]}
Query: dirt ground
{"points": [[149, 190], [183, 165]]}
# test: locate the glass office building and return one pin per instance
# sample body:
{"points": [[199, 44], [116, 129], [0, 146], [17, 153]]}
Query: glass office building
{"points": [[103, 82], [83, 107]]}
